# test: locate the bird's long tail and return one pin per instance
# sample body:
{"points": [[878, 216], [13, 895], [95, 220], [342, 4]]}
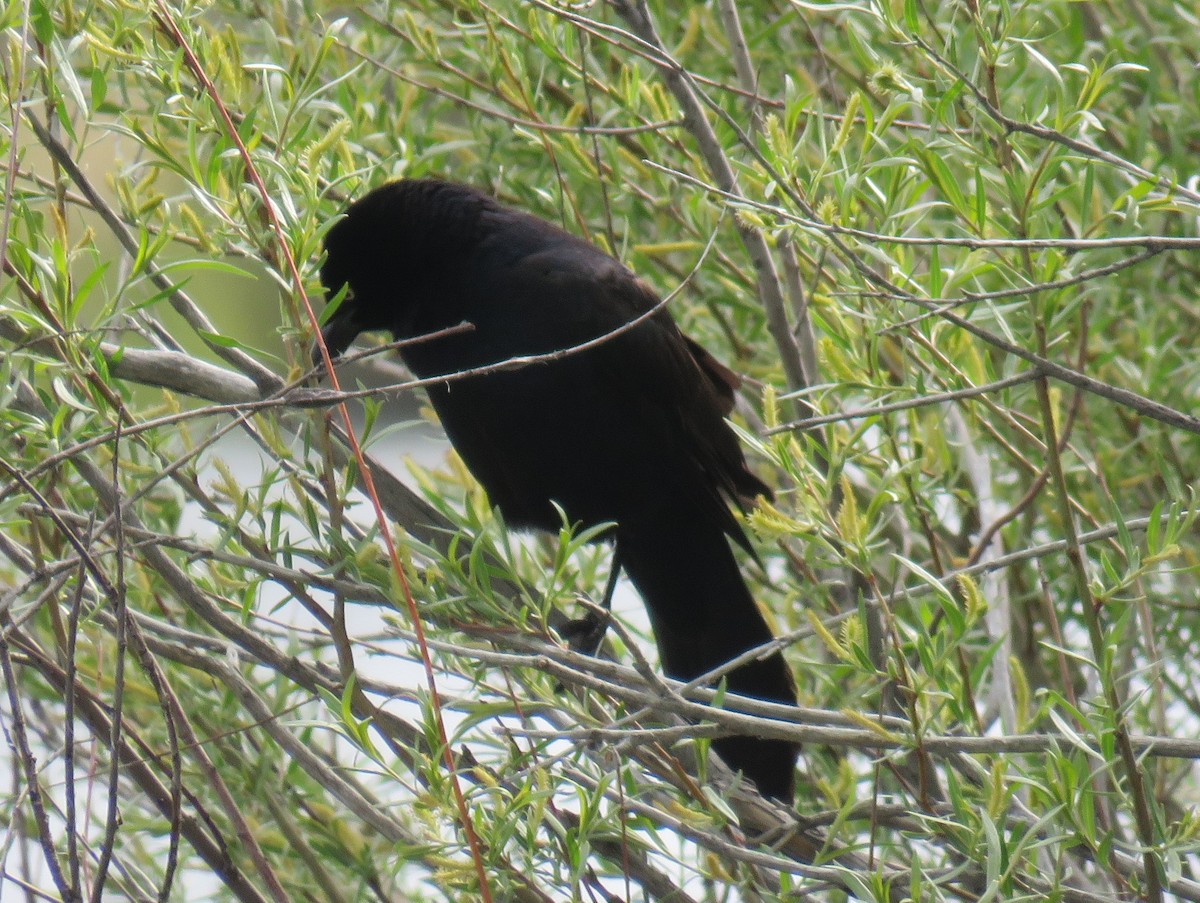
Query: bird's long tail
{"points": [[704, 616]]}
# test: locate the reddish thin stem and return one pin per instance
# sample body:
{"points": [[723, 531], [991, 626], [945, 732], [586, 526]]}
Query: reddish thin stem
{"points": [[167, 22]]}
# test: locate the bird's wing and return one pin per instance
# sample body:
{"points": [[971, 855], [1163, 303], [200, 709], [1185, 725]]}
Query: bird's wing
{"points": [[683, 392]]}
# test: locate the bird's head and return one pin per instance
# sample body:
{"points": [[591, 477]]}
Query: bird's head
{"points": [[387, 253]]}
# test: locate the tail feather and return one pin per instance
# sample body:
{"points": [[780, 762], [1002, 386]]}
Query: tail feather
{"points": [[703, 616]]}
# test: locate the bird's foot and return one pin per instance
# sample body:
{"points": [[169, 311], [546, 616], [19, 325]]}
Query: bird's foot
{"points": [[584, 635]]}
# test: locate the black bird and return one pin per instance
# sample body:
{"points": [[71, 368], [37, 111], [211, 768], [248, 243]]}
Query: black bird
{"points": [[630, 431]]}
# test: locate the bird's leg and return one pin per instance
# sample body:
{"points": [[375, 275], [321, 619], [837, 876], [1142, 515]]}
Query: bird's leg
{"points": [[587, 633]]}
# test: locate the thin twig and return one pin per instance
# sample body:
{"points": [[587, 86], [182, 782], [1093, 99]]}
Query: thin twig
{"points": [[116, 598]]}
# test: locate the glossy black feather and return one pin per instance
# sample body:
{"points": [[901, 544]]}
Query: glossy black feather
{"points": [[630, 431]]}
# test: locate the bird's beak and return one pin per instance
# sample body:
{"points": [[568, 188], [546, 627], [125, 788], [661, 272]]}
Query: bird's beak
{"points": [[341, 329]]}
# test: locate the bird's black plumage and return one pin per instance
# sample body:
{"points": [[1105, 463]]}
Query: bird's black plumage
{"points": [[630, 431]]}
